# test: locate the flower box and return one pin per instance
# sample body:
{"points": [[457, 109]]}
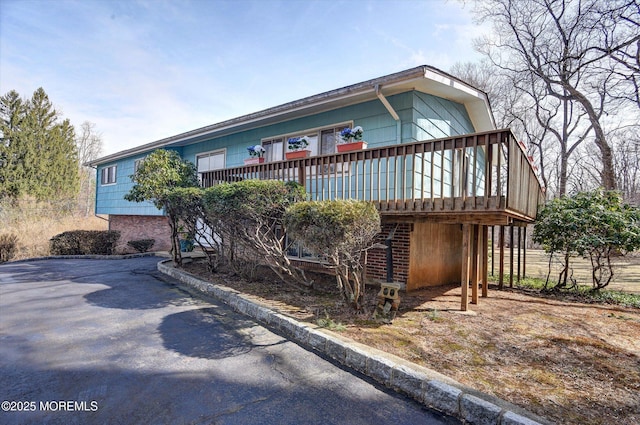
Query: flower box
{"points": [[253, 160], [352, 146], [297, 154]]}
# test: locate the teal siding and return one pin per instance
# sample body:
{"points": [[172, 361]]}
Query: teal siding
{"points": [[422, 117], [463, 173], [435, 117], [110, 198], [379, 128], [401, 178]]}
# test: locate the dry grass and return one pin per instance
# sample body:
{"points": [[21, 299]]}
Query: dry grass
{"points": [[35, 223], [626, 275], [571, 362]]}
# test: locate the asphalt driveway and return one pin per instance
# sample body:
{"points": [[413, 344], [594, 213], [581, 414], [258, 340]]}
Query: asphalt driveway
{"points": [[115, 341]]}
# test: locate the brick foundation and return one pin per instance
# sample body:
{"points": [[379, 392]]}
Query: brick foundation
{"points": [[132, 227], [377, 258]]}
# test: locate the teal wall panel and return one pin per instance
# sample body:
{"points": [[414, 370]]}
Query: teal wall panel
{"points": [[422, 117], [110, 198], [436, 117]]}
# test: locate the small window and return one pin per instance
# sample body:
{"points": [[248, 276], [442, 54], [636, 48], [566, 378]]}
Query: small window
{"points": [[328, 139], [210, 161], [273, 149], [322, 141], [108, 175], [136, 164]]}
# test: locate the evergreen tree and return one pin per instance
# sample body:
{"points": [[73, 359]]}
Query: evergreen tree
{"points": [[38, 155], [13, 110]]}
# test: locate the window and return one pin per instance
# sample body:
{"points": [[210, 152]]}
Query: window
{"points": [[296, 250], [136, 164], [322, 141], [328, 140], [210, 161], [273, 149], [108, 175]]}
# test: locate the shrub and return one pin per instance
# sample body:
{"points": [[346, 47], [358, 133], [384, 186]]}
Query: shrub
{"points": [[594, 225], [249, 214], [84, 242], [340, 231], [8, 243], [142, 245]]}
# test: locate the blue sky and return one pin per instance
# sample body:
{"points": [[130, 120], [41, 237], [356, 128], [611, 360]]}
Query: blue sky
{"points": [[145, 70]]}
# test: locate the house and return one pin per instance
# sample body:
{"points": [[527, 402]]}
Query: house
{"points": [[435, 165]]}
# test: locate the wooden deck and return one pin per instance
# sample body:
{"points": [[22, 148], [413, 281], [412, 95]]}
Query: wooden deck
{"points": [[480, 178]]}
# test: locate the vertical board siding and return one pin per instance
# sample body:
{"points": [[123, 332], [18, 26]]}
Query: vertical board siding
{"points": [[436, 118]]}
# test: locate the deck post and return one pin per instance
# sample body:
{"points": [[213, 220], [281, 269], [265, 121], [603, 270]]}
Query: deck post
{"points": [[493, 242], [501, 263], [302, 174], [519, 250], [484, 274], [476, 261], [524, 254], [464, 279], [511, 256]]}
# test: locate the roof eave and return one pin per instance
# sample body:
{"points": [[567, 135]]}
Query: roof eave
{"points": [[397, 82]]}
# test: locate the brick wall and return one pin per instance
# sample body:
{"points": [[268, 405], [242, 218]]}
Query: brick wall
{"points": [[132, 227], [377, 258]]}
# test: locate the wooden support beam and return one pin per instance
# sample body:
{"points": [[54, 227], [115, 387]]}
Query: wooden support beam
{"points": [[511, 256], [475, 261], [464, 278], [519, 250], [485, 263], [302, 174], [524, 255], [501, 263], [493, 243]]}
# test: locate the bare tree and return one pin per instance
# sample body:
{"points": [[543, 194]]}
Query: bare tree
{"points": [[620, 28], [496, 84], [551, 128], [626, 156], [572, 51], [89, 145]]}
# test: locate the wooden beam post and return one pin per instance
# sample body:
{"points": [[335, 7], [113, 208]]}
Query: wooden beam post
{"points": [[519, 250], [511, 256], [485, 261], [493, 242], [464, 278], [501, 263], [475, 263], [524, 255], [302, 174]]}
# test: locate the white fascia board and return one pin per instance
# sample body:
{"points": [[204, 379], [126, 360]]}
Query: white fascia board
{"points": [[453, 83]]}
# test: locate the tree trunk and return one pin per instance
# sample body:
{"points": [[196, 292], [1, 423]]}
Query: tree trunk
{"points": [[608, 177], [176, 254]]}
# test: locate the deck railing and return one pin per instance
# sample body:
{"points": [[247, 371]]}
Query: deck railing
{"points": [[476, 172]]}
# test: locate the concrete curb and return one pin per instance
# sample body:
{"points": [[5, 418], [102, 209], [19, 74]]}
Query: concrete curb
{"points": [[426, 386], [85, 257]]}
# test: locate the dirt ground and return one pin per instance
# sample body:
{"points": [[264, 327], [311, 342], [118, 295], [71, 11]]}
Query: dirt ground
{"points": [[570, 362]]}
